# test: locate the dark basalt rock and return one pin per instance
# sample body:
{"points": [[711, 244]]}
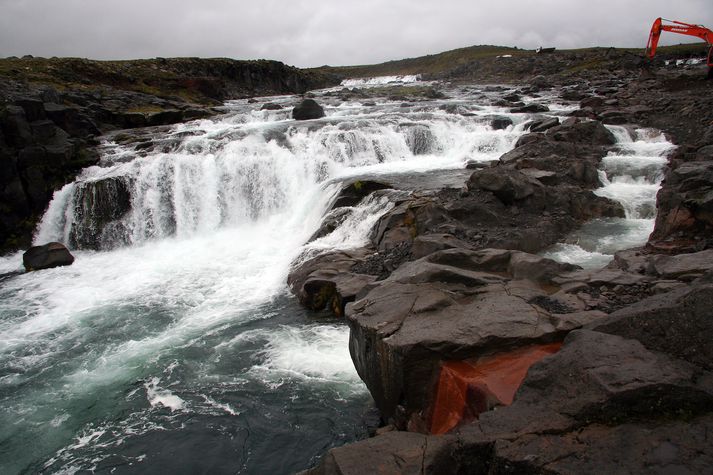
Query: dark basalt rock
{"points": [[37, 156], [165, 117], [677, 323], [450, 304], [420, 139], [70, 120], [602, 402], [356, 191], [271, 106], [307, 109], [684, 220], [33, 108], [132, 120], [327, 281], [97, 205], [53, 254], [544, 124], [632, 392], [500, 123], [15, 126], [508, 185], [530, 108], [572, 151]]}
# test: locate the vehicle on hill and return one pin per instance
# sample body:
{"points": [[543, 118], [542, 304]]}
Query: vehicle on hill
{"points": [[682, 28]]}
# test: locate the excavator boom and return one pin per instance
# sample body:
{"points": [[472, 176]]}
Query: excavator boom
{"points": [[681, 28]]}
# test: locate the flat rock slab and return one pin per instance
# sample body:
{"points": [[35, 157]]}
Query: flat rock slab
{"points": [[679, 323], [452, 304], [673, 447], [602, 404]]}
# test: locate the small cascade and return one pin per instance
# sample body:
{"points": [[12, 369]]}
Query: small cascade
{"points": [[213, 175], [631, 174], [382, 80]]}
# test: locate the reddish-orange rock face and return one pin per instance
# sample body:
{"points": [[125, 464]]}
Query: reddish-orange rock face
{"points": [[467, 388]]}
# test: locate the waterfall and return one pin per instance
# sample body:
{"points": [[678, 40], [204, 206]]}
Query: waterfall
{"points": [[239, 171], [171, 339]]}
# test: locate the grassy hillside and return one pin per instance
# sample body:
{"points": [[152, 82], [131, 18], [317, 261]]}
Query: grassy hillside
{"points": [[489, 60], [429, 64], [193, 80]]}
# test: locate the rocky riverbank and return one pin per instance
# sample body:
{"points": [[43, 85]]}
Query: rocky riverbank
{"points": [[52, 111], [449, 307], [482, 355]]}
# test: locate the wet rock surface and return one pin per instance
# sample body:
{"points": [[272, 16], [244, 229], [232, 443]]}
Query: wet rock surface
{"points": [[47, 256], [449, 274], [99, 206], [631, 388]]}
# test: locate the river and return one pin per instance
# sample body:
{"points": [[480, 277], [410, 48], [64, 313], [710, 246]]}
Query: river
{"points": [[175, 346]]}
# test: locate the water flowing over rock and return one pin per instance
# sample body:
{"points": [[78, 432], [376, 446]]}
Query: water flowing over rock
{"points": [[48, 136], [97, 206]]}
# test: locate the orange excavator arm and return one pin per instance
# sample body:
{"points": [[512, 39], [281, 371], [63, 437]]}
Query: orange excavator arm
{"points": [[681, 28]]}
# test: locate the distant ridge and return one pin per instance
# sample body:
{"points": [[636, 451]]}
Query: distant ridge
{"points": [[482, 62]]}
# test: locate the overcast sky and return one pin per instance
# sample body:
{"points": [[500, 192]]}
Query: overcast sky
{"points": [[337, 32]]}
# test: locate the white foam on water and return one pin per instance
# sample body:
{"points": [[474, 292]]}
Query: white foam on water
{"points": [[574, 254], [381, 80], [95, 443], [158, 396], [59, 420], [354, 231], [222, 407], [317, 353], [632, 176], [11, 263]]}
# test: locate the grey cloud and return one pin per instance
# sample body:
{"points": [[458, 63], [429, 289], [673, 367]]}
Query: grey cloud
{"points": [[316, 32]]}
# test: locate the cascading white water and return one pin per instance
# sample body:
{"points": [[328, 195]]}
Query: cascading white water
{"points": [[381, 80], [631, 175], [229, 176], [181, 324]]}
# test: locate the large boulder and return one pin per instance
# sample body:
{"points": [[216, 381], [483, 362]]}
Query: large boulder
{"points": [[602, 403], [327, 281], [307, 109], [420, 139], [511, 210], [500, 123], [572, 151], [53, 254], [451, 304], [508, 185], [684, 220], [530, 108], [354, 192], [678, 323], [541, 125]]}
